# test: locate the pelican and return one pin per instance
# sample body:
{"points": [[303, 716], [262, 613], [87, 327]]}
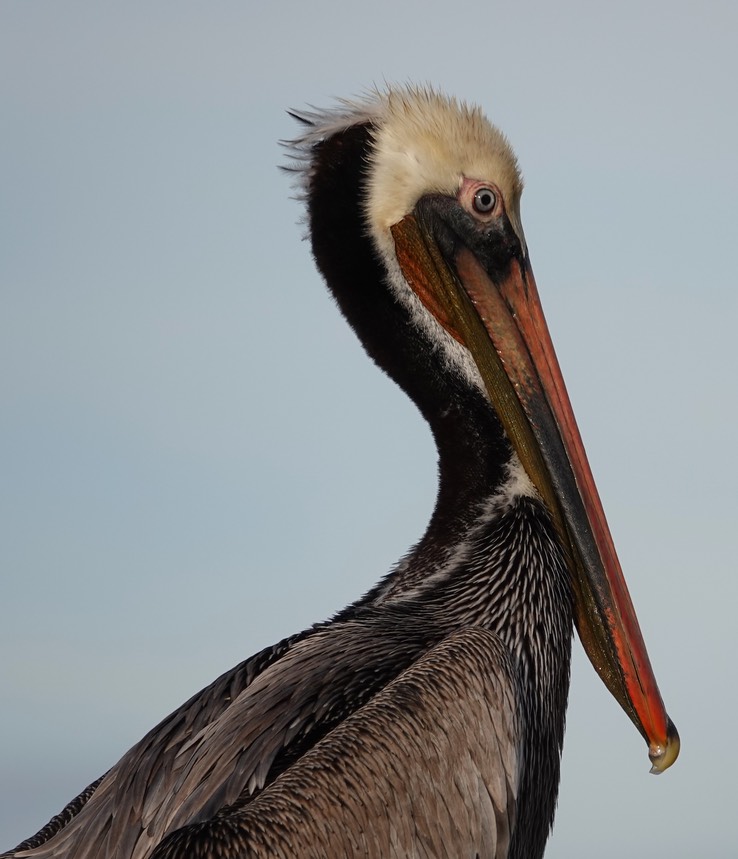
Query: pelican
{"points": [[426, 719]]}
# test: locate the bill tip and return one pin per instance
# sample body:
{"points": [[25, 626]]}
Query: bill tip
{"points": [[663, 755]]}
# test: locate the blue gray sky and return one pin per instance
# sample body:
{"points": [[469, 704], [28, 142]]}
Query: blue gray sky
{"points": [[196, 457]]}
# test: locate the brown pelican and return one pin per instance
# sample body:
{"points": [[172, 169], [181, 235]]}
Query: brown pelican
{"points": [[427, 718]]}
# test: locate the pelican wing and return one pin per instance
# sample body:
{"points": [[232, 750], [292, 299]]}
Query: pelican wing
{"points": [[421, 733], [428, 768]]}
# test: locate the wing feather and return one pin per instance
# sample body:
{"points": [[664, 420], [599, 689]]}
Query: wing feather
{"points": [[427, 768], [369, 736]]}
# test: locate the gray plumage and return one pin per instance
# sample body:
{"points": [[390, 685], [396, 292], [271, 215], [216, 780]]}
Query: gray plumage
{"points": [[360, 791]]}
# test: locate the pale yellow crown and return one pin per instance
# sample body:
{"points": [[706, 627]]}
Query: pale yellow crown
{"points": [[425, 142]]}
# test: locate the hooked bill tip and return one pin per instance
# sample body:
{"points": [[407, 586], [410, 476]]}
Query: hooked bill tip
{"points": [[663, 755]]}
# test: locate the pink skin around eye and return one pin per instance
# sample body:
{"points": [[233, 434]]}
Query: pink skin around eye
{"points": [[467, 191]]}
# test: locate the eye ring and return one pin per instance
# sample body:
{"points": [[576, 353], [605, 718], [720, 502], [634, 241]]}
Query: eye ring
{"points": [[484, 201]]}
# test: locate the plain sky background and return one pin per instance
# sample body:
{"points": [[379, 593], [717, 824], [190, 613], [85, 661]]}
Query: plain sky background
{"points": [[196, 459]]}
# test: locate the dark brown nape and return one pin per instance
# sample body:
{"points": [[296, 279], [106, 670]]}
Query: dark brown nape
{"points": [[471, 443]]}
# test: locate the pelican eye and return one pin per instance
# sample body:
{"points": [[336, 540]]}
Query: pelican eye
{"points": [[485, 200]]}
